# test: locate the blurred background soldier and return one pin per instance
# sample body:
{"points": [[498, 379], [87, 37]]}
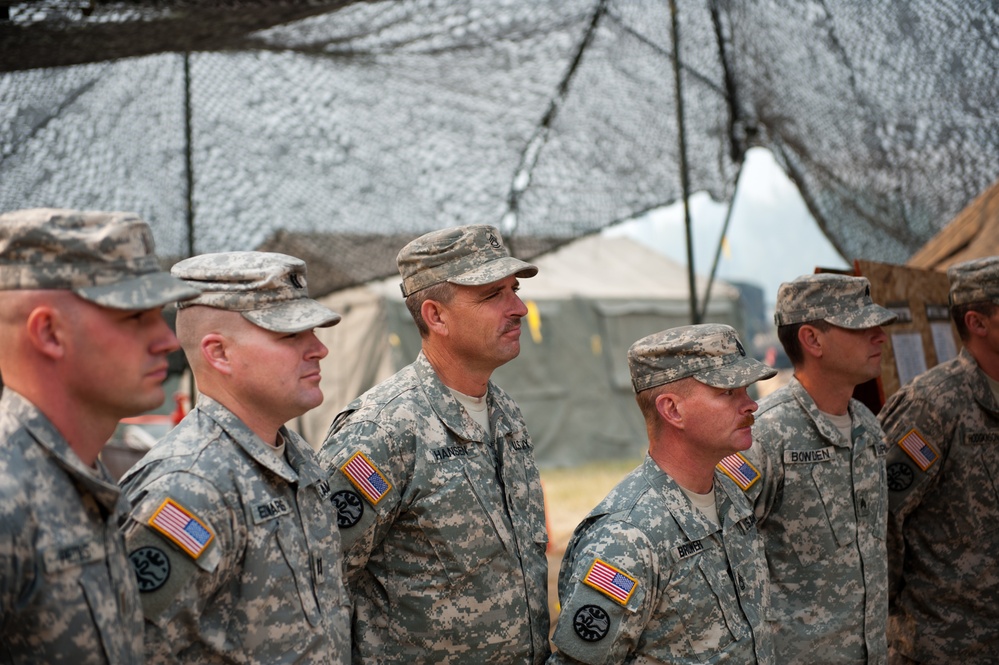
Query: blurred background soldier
{"points": [[669, 566], [232, 533], [443, 518], [821, 498], [83, 344], [943, 489]]}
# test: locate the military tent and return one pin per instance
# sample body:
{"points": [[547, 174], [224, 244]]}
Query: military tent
{"points": [[590, 301]]}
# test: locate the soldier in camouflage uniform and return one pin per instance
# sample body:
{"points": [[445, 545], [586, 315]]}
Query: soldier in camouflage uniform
{"points": [[442, 513], [232, 533], [817, 477], [943, 490], [669, 566], [83, 344]]}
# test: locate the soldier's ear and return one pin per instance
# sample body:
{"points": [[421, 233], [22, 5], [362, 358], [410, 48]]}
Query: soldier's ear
{"points": [[669, 409], [976, 323], [433, 315], [46, 328], [215, 351], [810, 340]]}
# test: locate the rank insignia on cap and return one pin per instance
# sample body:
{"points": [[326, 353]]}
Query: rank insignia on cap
{"points": [[916, 447], [180, 526], [740, 470], [366, 477], [610, 581]]}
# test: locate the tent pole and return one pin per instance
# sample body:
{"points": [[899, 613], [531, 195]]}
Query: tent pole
{"points": [[721, 241], [188, 160], [189, 187], [684, 181]]}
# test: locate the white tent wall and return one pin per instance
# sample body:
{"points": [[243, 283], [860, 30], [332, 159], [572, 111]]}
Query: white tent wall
{"points": [[590, 301]]}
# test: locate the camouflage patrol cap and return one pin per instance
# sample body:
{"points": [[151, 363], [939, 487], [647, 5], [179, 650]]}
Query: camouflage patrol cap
{"points": [[974, 281], [841, 300], [466, 255], [107, 258], [267, 288], [709, 352]]}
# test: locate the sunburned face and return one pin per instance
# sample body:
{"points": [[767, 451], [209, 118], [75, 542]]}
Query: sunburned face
{"points": [[483, 323]]}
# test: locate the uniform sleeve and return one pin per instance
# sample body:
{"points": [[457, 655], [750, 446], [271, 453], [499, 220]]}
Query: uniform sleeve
{"points": [[181, 540], [607, 592], [917, 441], [367, 473], [766, 456]]}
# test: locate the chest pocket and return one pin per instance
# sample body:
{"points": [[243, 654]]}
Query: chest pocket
{"points": [[704, 600], [277, 555], [823, 512], [457, 524], [975, 469], [82, 563]]}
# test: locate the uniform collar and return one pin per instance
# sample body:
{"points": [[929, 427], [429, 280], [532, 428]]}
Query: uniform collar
{"points": [[40, 428]]}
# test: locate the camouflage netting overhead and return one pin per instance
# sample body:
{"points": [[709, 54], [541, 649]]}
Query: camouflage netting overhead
{"points": [[252, 123]]}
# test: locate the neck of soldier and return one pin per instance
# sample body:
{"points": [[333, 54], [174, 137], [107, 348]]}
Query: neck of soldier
{"points": [[985, 357], [829, 395], [85, 429], [454, 371], [685, 464], [264, 425]]}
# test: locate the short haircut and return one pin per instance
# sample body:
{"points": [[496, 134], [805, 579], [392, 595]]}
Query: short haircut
{"points": [[442, 292], [647, 402], [985, 308], [788, 336]]}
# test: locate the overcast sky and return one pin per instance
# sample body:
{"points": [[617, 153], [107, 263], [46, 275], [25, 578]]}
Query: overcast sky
{"points": [[772, 237]]}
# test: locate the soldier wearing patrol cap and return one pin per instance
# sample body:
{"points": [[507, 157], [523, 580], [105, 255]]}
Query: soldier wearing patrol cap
{"points": [[818, 480], [82, 344], [943, 490], [232, 533], [442, 513], [669, 566]]}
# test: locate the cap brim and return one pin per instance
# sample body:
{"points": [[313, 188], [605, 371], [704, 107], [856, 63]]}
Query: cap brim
{"points": [[736, 375], [494, 271], [869, 317], [147, 291], [292, 316]]}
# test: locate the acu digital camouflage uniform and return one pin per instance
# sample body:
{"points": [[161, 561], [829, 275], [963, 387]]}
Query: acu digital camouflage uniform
{"points": [[267, 587], [698, 592], [67, 593], [253, 573], [943, 500], [647, 577], [821, 500], [822, 509], [444, 554], [443, 527]]}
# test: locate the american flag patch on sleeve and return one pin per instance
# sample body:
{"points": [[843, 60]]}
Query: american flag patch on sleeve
{"points": [[916, 447], [610, 581], [181, 527], [740, 470], [366, 477]]}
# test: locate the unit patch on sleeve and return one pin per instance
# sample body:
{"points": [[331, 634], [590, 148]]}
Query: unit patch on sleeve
{"points": [[181, 527], [610, 581], [366, 477], [916, 447], [591, 623], [151, 566], [740, 470], [349, 508]]}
